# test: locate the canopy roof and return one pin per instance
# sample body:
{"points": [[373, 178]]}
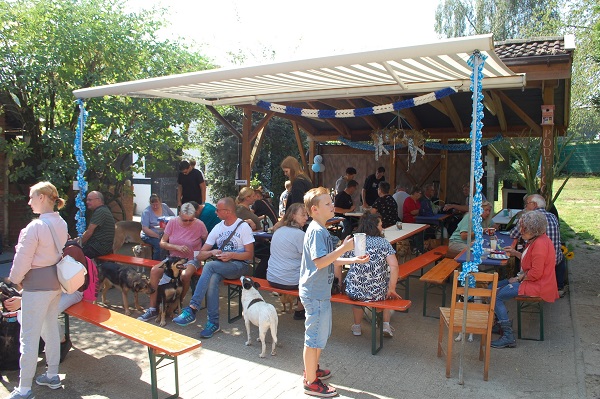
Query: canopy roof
{"points": [[406, 70], [519, 77]]}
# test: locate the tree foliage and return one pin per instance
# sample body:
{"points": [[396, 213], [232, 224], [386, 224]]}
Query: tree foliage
{"points": [[223, 152], [506, 19], [48, 48]]}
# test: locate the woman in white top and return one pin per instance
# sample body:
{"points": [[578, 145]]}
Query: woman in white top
{"points": [[286, 252], [34, 267]]}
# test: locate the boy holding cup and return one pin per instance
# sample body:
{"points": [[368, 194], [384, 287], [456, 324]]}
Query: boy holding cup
{"points": [[316, 278]]}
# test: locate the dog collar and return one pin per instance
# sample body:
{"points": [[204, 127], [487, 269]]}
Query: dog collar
{"points": [[255, 300]]}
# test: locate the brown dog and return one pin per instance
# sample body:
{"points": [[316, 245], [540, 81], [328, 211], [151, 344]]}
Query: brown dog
{"points": [[402, 251], [169, 294], [126, 231], [287, 299], [126, 278]]}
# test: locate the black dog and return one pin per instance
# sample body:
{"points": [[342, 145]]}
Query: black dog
{"points": [[7, 291], [126, 278], [169, 294]]}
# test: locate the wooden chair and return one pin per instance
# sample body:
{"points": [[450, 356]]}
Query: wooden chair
{"points": [[480, 317]]}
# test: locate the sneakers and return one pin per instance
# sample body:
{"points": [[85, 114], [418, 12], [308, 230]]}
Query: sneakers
{"points": [[148, 314], [53, 383], [209, 330], [356, 330], [321, 374], [317, 388], [17, 395], [387, 330], [186, 317], [300, 315]]}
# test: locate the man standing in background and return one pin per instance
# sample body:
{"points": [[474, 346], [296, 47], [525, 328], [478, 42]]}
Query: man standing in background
{"points": [[190, 184], [369, 191]]}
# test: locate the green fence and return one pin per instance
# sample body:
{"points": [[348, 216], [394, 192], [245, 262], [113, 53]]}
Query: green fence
{"points": [[585, 158]]}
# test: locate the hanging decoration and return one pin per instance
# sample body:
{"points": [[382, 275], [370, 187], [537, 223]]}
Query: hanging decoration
{"points": [[428, 144], [357, 112], [476, 62], [413, 139], [78, 150]]}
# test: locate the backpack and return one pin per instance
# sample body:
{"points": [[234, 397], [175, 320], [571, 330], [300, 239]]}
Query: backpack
{"points": [[90, 285]]}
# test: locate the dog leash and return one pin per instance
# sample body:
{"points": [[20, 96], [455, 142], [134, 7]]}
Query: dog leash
{"points": [[255, 300]]}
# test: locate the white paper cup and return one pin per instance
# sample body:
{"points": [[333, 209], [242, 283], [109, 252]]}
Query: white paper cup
{"points": [[196, 253], [360, 244], [493, 244]]}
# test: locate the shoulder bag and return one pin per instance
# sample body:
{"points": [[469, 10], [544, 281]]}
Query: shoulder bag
{"points": [[71, 273]]}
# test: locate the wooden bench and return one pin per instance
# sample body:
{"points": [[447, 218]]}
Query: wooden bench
{"points": [[132, 260], [234, 291], [406, 269], [162, 344], [436, 277], [533, 305]]}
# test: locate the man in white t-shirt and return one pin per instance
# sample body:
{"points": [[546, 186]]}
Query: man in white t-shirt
{"points": [[234, 244], [400, 195]]}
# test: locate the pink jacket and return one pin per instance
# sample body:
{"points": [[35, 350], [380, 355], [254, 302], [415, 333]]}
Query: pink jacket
{"points": [[539, 262]]}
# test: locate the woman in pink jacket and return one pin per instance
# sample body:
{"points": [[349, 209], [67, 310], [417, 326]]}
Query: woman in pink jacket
{"points": [[34, 267], [536, 278]]}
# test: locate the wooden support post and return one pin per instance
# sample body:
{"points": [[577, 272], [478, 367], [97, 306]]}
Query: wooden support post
{"points": [[547, 175], [443, 172], [312, 151], [246, 172]]}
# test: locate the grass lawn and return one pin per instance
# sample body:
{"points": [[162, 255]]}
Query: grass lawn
{"points": [[579, 209]]}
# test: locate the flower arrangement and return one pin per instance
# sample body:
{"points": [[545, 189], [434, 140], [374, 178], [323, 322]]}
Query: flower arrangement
{"points": [[566, 252]]}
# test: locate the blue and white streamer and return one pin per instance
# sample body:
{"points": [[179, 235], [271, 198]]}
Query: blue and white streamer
{"points": [[357, 112], [78, 150], [476, 61]]}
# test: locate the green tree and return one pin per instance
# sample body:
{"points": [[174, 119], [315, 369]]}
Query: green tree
{"points": [[49, 48], [222, 149], [506, 19]]}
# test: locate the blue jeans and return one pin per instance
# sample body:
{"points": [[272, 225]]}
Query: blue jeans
{"points": [[505, 292], [213, 273], [560, 270], [155, 242]]}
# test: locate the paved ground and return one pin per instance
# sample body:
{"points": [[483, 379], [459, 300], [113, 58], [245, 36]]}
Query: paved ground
{"points": [[103, 365]]}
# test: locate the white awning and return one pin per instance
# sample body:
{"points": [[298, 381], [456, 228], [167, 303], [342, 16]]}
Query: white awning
{"points": [[399, 71]]}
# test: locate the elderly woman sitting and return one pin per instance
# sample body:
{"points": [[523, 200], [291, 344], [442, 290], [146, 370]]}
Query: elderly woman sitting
{"points": [[458, 239], [537, 277]]}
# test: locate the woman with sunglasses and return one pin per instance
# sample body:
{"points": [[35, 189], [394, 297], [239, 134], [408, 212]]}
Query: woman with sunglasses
{"points": [[183, 236]]}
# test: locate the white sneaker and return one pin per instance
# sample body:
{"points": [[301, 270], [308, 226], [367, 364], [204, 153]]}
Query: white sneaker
{"points": [[387, 330], [356, 330]]}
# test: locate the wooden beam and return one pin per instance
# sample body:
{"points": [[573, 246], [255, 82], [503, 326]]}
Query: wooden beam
{"points": [[224, 121], [300, 146], [452, 114], [261, 125], [256, 148], [499, 112], [246, 171], [437, 104], [312, 151], [520, 113], [488, 102], [443, 172], [547, 175]]}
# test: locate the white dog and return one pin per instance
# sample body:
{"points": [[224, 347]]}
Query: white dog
{"points": [[260, 313]]}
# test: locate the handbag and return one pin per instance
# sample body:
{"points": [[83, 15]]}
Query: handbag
{"points": [[71, 273]]}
